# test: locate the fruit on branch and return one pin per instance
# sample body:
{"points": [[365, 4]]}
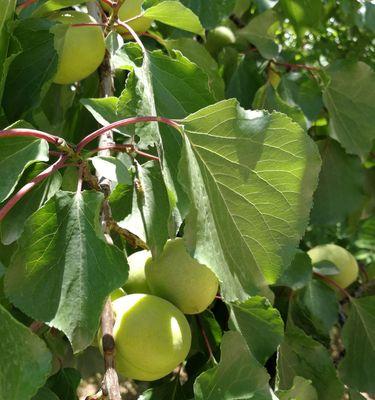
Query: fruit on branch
{"points": [[80, 49], [131, 9], [136, 282], [341, 258], [182, 280], [218, 38], [151, 336]]}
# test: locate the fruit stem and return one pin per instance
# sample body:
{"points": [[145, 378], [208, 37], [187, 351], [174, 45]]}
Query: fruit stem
{"points": [[60, 163], [205, 338], [333, 283], [86, 24], [124, 122]]}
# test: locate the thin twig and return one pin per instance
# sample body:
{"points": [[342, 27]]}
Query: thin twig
{"points": [[32, 133], [36, 326], [86, 24], [333, 283], [26, 4], [130, 237], [25, 189], [296, 66], [205, 338], [128, 121]]}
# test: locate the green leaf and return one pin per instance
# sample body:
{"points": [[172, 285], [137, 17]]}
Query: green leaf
{"points": [[211, 13], [65, 383], [303, 13], [25, 359], [353, 395], [345, 174], [245, 81], [11, 226], [32, 70], [212, 329], [260, 324], [150, 212], [300, 355], [198, 54], [298, 274], [326, 267], [238, 375], [250, 176], [175, 14], [302, 389], [53, 5], [350, 100], [62, 252], [112, 168], [16, 154], [315, 308], [45, 394], [261, 32], [357, 369], [267, 98], [121, 202], [6, 15]]}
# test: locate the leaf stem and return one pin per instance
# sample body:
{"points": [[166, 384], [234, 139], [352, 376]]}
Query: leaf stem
{"points": [[332, 283], [60, 163], [205, 338], [57, 141], [124, 122], [26, 4]]}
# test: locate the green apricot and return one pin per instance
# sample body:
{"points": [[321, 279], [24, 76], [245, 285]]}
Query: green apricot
{"points": [[80, 49], [218, 38], [116, 294], [180, 279], [341, 258], [136, 282], [151, 336]]}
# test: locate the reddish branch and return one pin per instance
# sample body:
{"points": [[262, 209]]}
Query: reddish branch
{"points": [[25, 189], [124, 122], [295, 66], [57, 141], [26, 4], [205, 338], [333, 283]]}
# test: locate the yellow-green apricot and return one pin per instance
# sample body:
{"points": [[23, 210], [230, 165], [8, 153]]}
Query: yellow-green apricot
{"points": [[136, 282]]}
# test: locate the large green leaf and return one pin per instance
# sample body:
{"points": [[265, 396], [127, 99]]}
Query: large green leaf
{"points": [[260, 324], [345, 174], [261, 32], [300, 355], [175, 14], [45, 394], [49, 6], [358, 367], [303, 13], [25, 359], [16, 154], [210, 12], [11, 226], [250, 176], [350, 100], [167, 391], [63, 270], [238, 375], [32, 70]]}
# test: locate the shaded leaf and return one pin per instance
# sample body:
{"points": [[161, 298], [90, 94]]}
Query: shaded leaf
{"points": [[298, 274], [62, 251], [261, 32], [166, 391], [260, 324], [112, 168], [25, 359], [239, 163], [49, 6], [340, 190], [350, 100], [357, 369], [16, 154], [45, 394], [65, 383], [11, 226], [300, 355], [303, 13], [238, 375], [302, 389]]}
